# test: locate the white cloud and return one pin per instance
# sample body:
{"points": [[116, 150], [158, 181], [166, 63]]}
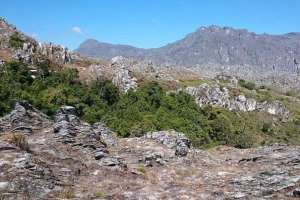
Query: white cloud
{"points": [[77, 29]]}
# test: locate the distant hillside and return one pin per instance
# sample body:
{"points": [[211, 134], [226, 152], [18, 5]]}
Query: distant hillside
{"points": [[214, 46], [93, 48]]}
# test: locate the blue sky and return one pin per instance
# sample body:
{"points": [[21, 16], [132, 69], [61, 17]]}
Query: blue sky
{"points": [[144, 23]]}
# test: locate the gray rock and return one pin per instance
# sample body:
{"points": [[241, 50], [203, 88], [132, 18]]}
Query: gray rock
{"points": [[66, 121], [216, 96], [152, 158], [112, 162], [32, 52], [78, 134], [24, 118], [181, 150], [67, 110], [4, 186], [296, 192], [173, 140], [99, 155], [122, 76], [4, 146], [105, 134]]}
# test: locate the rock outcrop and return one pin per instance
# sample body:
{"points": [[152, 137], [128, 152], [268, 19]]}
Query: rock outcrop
{"points": [[28, 50], [70, 159], [122, 75], [23, 118], [91, 138], [173, 140], [220, 97]]}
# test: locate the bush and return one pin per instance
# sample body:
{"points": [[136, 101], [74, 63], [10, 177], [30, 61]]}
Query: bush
{"points": [[15, 41], [142, 169], [243, 140], [106, 90], [291, 93], [247, 85], [267, 128], [149, 108]]}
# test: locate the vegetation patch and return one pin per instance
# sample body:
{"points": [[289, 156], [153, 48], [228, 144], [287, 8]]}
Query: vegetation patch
{"points": [[16, 41], [149, 108], [247, 84], [142, 169], [20, 141]]}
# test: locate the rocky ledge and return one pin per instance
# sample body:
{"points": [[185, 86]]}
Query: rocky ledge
{"points": [[220, 97], [66, 158]]}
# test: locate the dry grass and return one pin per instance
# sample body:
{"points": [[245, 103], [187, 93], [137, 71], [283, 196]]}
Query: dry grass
{"points": [[19, 140], [5, 54], [67, 193]]}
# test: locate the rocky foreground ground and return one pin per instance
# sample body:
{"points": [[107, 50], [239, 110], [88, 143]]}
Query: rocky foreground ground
{"points": [[66, 158]]}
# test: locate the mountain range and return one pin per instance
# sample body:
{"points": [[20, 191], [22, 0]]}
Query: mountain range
{"points": [[134, 129], [213, 46]]}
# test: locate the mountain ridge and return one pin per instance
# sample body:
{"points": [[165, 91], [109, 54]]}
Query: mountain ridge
{"points": [[213, 44], [88, 40]]}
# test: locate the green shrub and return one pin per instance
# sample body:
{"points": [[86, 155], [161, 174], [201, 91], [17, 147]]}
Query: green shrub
{"points": [[106, 90], [142, 169], [291, 93], [267, 128], [247, 85], [99, 194], [134, 113], [16, 42]]}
